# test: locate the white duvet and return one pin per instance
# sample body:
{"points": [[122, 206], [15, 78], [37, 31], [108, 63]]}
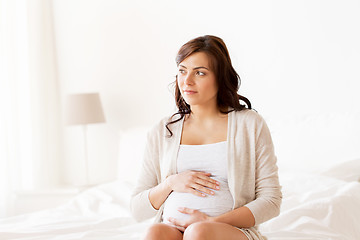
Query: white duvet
{"points": [[314, 207]]}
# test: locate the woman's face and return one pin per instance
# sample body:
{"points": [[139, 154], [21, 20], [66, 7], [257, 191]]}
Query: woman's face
{"points": [[196, 81]]}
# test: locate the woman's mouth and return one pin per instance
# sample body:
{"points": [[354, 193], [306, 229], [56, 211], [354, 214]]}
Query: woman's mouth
{"points": [[189, 92]]}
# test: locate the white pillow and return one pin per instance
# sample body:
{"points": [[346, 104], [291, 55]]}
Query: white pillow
{"points": [[131, 151]]}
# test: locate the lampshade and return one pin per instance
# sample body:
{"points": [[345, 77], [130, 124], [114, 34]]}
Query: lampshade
{"points": [[83, 108]]}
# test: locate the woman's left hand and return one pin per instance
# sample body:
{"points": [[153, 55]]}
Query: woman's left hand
{"points": [[195, 216]]}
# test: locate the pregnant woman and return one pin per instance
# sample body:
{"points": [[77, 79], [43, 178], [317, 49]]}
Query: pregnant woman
{"points": [[209, 170]]}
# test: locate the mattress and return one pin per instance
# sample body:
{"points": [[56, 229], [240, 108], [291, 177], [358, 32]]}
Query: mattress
{"points": [[315, 206]]}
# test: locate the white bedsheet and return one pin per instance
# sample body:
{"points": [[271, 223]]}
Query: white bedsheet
{"points": [[314, 207], [100, 212]]}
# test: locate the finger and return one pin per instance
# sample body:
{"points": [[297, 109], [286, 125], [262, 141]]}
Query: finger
{"points": [[194, 172], [208, 182], [205, 173], [186, 210], [182, 229], [195, 192], [176, 222], [198, 174], [202, 189]]}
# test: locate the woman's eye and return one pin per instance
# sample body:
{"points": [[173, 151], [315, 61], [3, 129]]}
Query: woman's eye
{"points": [[181, 71], [200, 73]]}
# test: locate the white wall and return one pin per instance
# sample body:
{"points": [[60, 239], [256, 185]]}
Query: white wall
{"points": [[294, 57]]}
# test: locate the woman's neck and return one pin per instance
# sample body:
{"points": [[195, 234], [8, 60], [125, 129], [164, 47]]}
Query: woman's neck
{"points": [[205, 114]]}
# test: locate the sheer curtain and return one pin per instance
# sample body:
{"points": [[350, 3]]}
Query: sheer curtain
{"points": [[30, 120]]}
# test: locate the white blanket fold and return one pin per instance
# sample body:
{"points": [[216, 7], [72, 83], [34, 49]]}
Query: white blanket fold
{"points": [[314, 207]]}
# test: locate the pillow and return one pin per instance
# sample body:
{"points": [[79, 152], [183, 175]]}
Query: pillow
{"points": [[131, 149], [348, 171]]}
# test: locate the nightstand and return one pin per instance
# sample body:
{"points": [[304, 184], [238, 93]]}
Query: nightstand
{"points": [[35, 200]]}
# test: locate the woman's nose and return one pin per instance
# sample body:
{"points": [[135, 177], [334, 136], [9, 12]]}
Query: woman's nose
{"points": [[188, 80]]}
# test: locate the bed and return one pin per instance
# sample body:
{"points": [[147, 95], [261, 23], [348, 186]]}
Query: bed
{"points": [[322, 203]]}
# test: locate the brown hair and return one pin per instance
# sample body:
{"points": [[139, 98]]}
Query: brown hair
{"points": [[228, 80]]}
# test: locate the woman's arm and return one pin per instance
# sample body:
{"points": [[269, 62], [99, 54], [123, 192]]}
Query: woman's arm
{"points": [[241, 217], [140, 206], [268, 196], [159, 194]]}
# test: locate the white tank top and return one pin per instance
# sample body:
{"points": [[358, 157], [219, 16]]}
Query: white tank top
{"points": [[211, 158]]}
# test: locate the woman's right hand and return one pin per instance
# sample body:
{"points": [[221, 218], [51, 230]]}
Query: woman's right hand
{"points": [[195, 182]]}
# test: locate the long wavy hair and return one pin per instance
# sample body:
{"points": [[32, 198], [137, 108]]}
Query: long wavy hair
{"points": [[228, 80]]}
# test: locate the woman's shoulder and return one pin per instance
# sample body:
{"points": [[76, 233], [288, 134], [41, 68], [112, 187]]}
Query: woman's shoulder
{"points": [[160, 127], [248, 115], [249, 119]]}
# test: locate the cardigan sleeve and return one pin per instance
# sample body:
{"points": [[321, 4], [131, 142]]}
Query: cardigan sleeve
{"points": [[140, 205], [268, 194]]}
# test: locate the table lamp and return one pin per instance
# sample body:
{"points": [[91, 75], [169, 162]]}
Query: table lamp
{"points": [[83, 109]]}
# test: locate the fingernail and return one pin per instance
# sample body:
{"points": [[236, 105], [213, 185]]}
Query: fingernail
{"points": [[203, 195], [212, 193], [217, 187]]}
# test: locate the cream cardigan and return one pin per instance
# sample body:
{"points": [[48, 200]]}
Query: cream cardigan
{"points": [[252, 170]]}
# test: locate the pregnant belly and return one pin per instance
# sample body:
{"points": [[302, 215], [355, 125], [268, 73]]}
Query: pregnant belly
{"points": [[212, 205]]}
